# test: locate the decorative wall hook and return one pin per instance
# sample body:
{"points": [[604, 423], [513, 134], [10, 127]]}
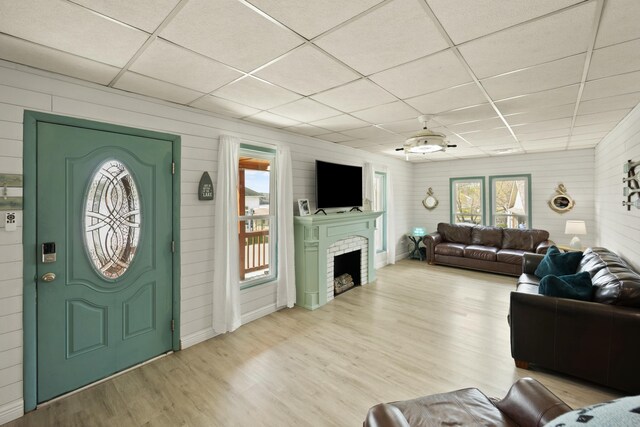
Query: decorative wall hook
{"points": [[561, 202], [632, 187], [430, 202]]}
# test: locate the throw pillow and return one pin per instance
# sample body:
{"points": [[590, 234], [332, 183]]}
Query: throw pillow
{"points": [[572, 286], [558, 263], [621, 412]]}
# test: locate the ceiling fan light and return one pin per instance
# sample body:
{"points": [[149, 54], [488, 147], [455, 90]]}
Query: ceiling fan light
{"points": [[426, 148]]}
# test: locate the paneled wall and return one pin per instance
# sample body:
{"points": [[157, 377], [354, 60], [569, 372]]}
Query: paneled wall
{"points": [[572, 168], [25, 88], [618, 229]]}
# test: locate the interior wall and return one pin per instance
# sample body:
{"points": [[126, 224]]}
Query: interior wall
{"points": [[618, 229], [572, 168], [26, 88]]}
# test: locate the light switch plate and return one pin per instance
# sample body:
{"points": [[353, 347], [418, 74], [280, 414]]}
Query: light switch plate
{"points": [[10, 221]]}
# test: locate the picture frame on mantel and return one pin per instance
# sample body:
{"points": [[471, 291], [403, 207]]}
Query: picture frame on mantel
{"points": [[303, 207]]}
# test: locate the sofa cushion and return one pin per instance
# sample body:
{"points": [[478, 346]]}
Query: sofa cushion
{"points": [[450, 249], [510, 256], [557, 263], [572, 286], [617, 285], [456, 233], [591, 262], [485, 253], [526, 240], [486, 236]]}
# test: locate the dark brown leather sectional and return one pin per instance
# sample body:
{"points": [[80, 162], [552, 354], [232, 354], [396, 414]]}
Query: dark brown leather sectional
{"points": [[595, 340], [528, 403], [493, 249]]}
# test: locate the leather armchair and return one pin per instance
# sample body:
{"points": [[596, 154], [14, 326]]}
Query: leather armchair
{"points": [[527, 403]]}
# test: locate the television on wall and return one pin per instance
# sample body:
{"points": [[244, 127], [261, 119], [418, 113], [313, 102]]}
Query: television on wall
{"points": [[338, 186]]}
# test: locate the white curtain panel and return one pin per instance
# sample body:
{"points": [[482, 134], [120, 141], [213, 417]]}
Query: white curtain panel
{"points": [[368, 183], [286, 290], [391, 232], [226, 277]]}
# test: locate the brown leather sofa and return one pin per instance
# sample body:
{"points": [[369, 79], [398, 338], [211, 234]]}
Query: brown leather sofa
{"points": [[595, 340], [493, 249], [528, 403]]}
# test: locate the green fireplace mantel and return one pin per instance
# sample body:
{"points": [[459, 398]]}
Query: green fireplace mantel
{"points": [[314, 234]]}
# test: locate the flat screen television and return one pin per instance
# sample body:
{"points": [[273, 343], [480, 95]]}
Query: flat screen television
{"points": [[338, 186]]}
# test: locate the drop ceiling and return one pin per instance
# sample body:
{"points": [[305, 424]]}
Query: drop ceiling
{"points": [[500, 77]]}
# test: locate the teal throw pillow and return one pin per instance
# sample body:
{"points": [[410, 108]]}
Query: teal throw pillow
{"points": [[573, 286], [558, 263]]}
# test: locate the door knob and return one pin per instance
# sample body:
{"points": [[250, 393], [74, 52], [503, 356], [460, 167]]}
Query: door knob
{"points": [[48, 277]]}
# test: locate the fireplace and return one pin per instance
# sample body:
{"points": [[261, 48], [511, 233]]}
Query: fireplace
{"points": [[346, 272], [349, 255]]}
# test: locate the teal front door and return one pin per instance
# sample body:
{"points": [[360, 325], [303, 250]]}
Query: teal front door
{"points": [[104, 235]]}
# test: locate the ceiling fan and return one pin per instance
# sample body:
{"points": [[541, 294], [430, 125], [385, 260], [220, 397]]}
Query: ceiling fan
{"points": [[425, 141]]}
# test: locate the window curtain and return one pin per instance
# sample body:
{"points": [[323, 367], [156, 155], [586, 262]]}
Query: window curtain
{"points": [[368, 185], [391, 232], [226, 276], [286, 284]]}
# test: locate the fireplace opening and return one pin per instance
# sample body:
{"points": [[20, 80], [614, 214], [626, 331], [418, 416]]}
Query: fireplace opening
{"points": [[346, 272]]}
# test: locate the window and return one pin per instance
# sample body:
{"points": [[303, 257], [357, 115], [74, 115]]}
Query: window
{"points": [[380, 204], [510, 201], [256, 214], [467, 200]]}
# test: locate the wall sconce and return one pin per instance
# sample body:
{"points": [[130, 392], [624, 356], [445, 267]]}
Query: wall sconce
{"points": [[632, 185]]}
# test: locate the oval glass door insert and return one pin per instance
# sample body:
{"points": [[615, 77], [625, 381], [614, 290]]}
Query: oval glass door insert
{"points": [[112, 219]]}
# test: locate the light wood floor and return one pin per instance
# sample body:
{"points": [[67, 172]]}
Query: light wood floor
{"points": [[418, 330]]}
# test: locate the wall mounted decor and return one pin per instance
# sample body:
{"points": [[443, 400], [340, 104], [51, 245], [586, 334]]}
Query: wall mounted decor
{"points": [[561, 202], [205, 187], [10, 188], [430, 202], [632, 187]]}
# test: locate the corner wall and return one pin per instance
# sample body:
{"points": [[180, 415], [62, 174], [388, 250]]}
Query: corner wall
{"points": [[26, 88], [617, 228]]}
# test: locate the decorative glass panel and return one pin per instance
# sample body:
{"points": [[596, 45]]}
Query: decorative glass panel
{"points": [[112, 219]]}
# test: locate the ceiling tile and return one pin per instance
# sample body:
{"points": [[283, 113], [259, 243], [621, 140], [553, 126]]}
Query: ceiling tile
{"points": [[547, 125], [334, 137], [143, 14], [448, 99], [555, 145], [539, 100], [174, 64], [256, 93], [608, 116], [223, 106], [587, 143], [618, 59], [354, 96], [534, 136], [477, 125], [551, 113], [35, 55], [369, 132], [619, 22], [340, 123], [438, 71], [557, 36], [464, 20], [611, 86], [493, 135], [390, 32], [133, 82], [305, 110], [554, 74], [315, 17], [587, 136], [618, 102], [595, 128], [391, 112], [71, 28], [306, 71], [402, 126], [479, 112], [230, 32], [270, 119], [306, 129]]}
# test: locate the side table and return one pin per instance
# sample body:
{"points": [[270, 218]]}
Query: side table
{"points": [[416, 253]]}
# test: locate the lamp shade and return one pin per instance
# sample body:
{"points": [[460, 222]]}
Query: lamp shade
{"points": [[575, 227]]}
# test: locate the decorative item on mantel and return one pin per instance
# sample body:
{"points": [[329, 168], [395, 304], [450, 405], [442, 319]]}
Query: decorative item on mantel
{"points": [[561, 202], [632, 181], [430, 202], [576, 228]]}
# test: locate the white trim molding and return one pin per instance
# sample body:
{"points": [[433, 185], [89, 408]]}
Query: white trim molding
{"points": [[11, 411], [197, 338]]}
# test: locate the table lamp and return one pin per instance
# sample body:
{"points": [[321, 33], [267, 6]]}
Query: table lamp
{"points": [[575, 228]]}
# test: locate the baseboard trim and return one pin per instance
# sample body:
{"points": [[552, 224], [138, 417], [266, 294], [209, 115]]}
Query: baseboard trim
{"points": [[256, 314], [197, 338], [11, 411]]}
